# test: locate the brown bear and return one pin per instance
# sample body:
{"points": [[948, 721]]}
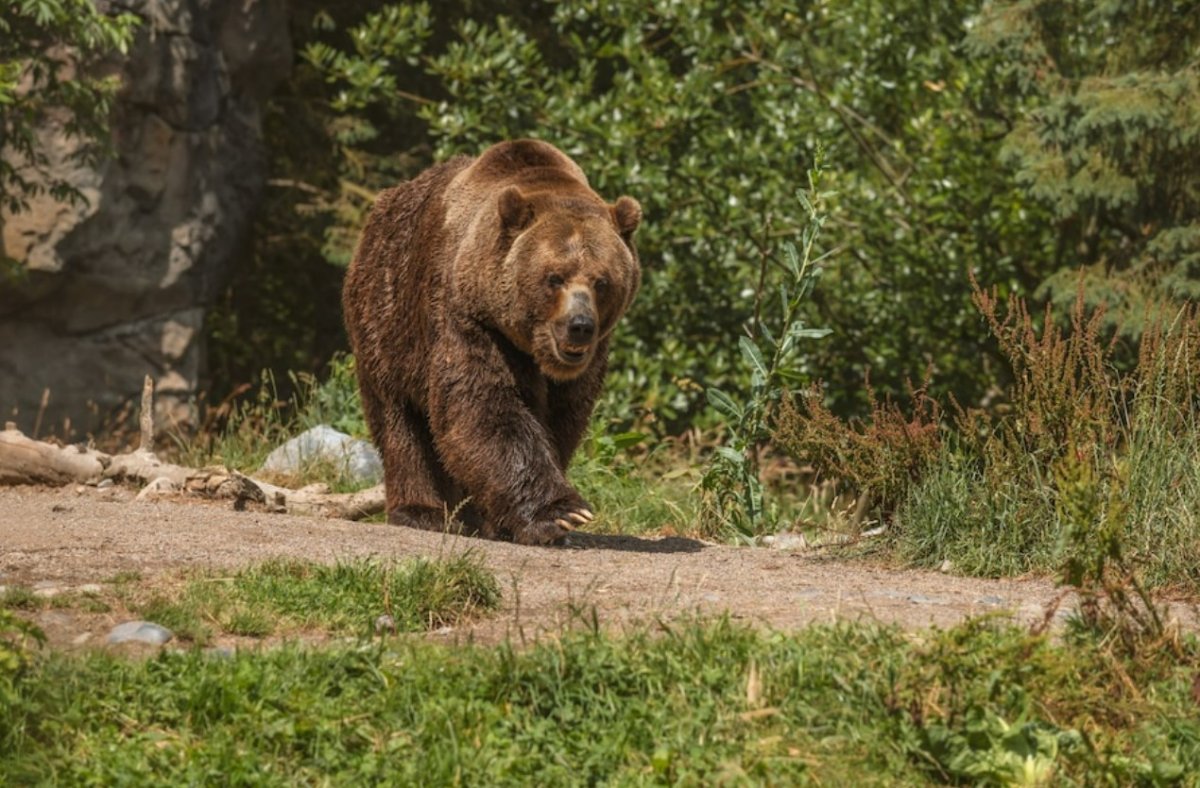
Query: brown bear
{"points": [[479, 304]]}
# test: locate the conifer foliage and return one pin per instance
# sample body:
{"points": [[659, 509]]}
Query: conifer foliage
{"points": [[1105, 132]]}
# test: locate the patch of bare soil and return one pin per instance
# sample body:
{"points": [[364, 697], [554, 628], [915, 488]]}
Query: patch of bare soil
{"points": [[76, 536]]}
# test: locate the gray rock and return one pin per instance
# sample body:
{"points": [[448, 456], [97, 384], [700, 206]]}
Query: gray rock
{"points": [[116, 287], [990, 600], [140, 632], [90, 588], [921, 599], [358, 458], [385, 624]]}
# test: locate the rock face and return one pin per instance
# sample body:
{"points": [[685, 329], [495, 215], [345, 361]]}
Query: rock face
{"points": [[116, 289]]}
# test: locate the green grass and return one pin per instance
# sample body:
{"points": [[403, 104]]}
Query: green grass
{"points": [[690, 704], [284, 596], [21, 598], [241, 434]]}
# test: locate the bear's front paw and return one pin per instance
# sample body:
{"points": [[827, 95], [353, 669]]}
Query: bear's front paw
{"points": [[553, 525], [541, 533]]}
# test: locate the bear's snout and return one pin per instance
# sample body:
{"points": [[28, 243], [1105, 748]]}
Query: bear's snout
{"points": [[581, 328]]}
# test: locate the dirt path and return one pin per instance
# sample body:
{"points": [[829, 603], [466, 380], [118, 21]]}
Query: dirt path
{"points": [[64, 538]]}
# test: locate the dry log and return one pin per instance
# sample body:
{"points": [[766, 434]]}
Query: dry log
{"points": [[26, 461]]}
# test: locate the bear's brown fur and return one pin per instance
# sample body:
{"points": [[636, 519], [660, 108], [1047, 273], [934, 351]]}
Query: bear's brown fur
{"points": [[479, 306]]}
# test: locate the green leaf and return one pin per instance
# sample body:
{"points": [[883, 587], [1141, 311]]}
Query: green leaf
{"points": [[753, 356], [732, 455], [723, 403]]}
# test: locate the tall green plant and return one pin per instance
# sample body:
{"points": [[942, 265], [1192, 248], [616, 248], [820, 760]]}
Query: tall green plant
{"points": [[732, 480]]}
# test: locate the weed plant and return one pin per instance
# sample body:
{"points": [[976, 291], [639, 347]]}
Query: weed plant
{"points": [[1085, 464], [241, 432], [734, 497], [693, 704]]}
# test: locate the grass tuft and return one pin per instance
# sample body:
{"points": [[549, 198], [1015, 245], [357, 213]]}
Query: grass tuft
{"points": [[284, 596]]}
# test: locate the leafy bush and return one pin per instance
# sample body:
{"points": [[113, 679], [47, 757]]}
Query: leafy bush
{"points": [[50, 53], [710, 112]]}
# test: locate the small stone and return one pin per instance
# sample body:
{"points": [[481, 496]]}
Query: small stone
{"points": [[141, 632], [921, 599], [104, 484], [47, 593], [81, 638], [220, 652], [385, 623], [156, 489], [443, 631], [990, 600], [80, 489], [947, 567], [89, 588]]}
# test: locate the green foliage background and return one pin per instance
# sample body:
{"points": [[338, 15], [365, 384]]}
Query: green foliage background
{"points": [[1014, 142]]}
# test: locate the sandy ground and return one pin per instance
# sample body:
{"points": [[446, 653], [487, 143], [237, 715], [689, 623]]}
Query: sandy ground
{"points": [[65, 538]]}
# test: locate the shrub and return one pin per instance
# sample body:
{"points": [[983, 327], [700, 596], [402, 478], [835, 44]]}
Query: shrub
{"points": [[879, 457]]}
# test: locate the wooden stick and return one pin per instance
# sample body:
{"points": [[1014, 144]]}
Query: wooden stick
{"points": [[147, 419]]}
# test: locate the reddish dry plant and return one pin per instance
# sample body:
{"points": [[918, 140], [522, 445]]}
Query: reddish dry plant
{"points": [[1064, 385], [880, 456]]}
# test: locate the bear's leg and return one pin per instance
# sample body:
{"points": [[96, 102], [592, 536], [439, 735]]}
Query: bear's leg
{"points": [[410, 466], [494, 445]]}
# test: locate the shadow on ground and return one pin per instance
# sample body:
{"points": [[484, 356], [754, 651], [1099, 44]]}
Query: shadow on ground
{"points": [[632, 544]]}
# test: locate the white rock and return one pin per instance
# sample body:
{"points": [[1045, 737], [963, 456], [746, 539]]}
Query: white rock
{"points": [[357, 457]]}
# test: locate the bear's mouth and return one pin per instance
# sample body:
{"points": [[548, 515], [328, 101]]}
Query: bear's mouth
{"points": [[572, 355]]}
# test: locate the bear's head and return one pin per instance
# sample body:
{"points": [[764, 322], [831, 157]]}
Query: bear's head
{"points": [[571, 269]]}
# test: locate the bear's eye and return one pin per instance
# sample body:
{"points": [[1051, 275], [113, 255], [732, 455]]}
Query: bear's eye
{"points": [[554, 280], [601, 285]]}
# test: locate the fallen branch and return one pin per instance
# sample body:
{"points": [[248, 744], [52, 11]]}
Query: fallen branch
{"points": [[27, 461]]}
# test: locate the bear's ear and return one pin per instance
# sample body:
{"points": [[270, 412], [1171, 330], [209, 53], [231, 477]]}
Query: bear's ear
{"points": [[515, 211], [627, 213]]}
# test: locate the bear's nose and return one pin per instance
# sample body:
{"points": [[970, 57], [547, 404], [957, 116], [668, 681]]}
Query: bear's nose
{"points": [[581, 329]]}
